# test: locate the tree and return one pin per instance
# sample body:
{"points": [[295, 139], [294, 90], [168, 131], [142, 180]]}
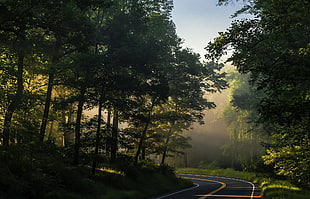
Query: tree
{"points": [[139, 42], [169, 123], [61, 24], [241, 117], [83, 68], [273, 47], [188, 79], [60, 58], [14, 31]]}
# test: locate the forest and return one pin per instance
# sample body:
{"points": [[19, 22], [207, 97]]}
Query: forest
{"points": [[95, 91]]}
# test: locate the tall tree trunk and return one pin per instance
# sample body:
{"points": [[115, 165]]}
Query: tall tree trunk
{"points": [[143, 136], [50, 133], [108, 133], [17, 99], [97, 135], [185, 160], [47, 106], [68, 138], [77, 129], [114, 146], [7, 124], [165, 149], [48, 98], [63, 122], [143, 152]]}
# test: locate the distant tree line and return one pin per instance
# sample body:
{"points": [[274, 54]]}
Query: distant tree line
{"points": [[242, 118]]}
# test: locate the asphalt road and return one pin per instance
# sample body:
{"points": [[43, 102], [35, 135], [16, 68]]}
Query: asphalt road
{"points": [[216, 188]]}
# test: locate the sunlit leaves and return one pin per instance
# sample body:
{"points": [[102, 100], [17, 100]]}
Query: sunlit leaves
{"points": [[273, 48], [290, 161]]}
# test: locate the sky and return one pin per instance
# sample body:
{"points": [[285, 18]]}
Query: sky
{"points": [[199, 21]]}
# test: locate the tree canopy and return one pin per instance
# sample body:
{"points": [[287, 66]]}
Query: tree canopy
{"points": [[123, 59], [273, 48]]}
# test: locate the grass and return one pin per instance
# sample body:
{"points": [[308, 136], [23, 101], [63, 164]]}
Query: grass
{"points": [[270, 188]]}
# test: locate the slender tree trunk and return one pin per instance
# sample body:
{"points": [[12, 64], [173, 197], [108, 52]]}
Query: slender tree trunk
{"points": [[50, 133], [143, 152], [114, 147], [77, 129], [165, 149], [63, 122], [47, 106], [108, 133], [97, 135], [185, 160], [69, 133], [17, 99], [67, 130], [48, 98], [143, 136], [7, 124]]}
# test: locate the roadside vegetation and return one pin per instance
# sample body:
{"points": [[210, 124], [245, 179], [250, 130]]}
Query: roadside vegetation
{"points": [[269, 116], [44, 173], [271, 187]]}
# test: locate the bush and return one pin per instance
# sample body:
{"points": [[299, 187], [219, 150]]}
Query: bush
{"points": [[41, 171]]}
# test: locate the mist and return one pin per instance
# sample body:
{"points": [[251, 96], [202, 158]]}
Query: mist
{"points": [[208, 139]]}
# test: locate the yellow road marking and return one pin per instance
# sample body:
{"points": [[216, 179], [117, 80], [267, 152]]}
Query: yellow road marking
{"points": [[212, 192], [231, 196], [256, 188]]}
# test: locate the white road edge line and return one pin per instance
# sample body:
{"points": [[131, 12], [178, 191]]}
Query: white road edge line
{"points": [[236, 179], [196, 186], [253, 185]]}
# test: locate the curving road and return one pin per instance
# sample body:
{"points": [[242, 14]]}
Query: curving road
{"points": [[216, 188]]}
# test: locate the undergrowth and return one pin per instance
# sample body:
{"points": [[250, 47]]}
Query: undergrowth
{"points": [[45, 172]]}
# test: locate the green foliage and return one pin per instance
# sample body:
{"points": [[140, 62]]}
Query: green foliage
{"points": [[61, 58], [273, 49], [246, 134], [32, 169], [37, 171], [290, 161], [212, 166]]}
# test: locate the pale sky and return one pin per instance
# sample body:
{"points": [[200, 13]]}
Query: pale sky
{"points": [[199, 21]]}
